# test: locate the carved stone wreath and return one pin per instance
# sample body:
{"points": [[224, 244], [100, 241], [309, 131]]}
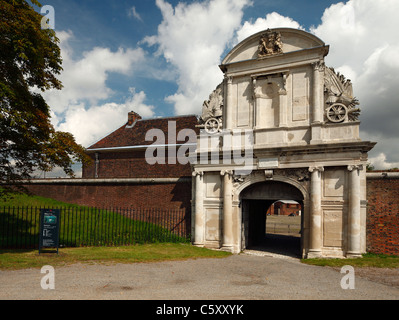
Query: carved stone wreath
{"points": [[213, 125], [337, 112]]}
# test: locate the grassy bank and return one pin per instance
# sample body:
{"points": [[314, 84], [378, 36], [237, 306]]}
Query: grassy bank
{"points": [[84, 226], [368, 260], [19, 259]]}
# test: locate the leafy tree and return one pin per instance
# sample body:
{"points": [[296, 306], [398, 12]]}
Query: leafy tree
{"points": [[30, 61]]}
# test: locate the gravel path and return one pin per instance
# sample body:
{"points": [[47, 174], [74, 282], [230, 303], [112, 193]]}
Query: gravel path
{"points": [[244, 276]]}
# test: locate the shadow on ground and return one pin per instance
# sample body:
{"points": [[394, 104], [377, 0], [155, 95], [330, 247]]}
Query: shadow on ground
{"points": [[283, 245]]}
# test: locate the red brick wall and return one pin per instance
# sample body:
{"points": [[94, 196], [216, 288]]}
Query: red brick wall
{"points": [[168, 204], [132, 165], [285, 209], [119, 195], [383, 216]]}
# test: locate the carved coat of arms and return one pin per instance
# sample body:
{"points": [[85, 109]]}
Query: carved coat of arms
{"points": [[269, 44]]}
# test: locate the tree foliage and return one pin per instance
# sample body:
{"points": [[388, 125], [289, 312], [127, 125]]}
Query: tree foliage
{"points": [[30, 61]]}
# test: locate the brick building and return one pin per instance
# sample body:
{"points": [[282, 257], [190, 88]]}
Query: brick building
{"points": [[285, 208], [120, 175], [122, 154]]}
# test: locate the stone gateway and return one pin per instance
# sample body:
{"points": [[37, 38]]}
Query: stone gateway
{"points": [[305, 146]]}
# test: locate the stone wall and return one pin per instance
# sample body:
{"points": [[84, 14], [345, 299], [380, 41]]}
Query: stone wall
{"points": [[383, 213]]}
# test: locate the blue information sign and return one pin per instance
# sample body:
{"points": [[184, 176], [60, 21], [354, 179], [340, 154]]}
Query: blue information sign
{"points": [[49, 228]]}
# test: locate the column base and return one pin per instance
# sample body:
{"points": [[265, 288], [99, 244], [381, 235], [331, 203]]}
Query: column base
{"points": [[354, 255], [198, 244], [313, 254], [227, 248]]}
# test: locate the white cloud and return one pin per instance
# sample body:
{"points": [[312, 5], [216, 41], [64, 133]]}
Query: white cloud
{"points": [[133, 13], [272, 20], [364, 46], [86, 78], [192, 37], [79, 108], [91, 124], [380, 162]]}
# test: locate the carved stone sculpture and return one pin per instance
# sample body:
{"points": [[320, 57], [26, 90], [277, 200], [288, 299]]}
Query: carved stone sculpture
{"points": [[341, 105], [270, 44], [212, 111]]}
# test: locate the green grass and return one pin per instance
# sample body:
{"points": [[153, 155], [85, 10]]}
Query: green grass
{"points": [[368, 260], [21, 259], [80, 225], [25, 200]]}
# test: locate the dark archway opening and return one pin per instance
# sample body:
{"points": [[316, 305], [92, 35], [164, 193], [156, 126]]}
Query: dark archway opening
{"points": [[260, 229]]}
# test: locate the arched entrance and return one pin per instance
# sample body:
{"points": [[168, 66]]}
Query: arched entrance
{"points": [[256, 199]]}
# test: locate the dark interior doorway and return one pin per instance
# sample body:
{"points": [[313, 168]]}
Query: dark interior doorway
{"points": [[255, 204], [259, 239]]}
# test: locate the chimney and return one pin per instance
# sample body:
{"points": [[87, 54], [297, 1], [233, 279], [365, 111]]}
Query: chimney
{"points": [[132, 118]]}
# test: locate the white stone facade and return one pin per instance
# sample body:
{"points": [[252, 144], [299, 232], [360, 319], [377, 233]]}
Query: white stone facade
{"points": [[304, 146]]}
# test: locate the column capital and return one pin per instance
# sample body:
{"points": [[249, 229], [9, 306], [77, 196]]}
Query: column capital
{"points": [[355, 167], [197, 173], [229, 79], [319, 65], [224, 172], [316, 168]]}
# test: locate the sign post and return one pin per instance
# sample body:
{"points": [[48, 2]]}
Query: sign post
{"points": [[49, 228]]}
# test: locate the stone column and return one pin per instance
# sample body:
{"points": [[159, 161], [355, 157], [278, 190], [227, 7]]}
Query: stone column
{"points": [[315, 241], [199, 209], [354, 244], [256, 111], [227, 210], [228, 108]]}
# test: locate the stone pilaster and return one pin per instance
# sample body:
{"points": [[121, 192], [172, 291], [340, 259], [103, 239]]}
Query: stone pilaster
{"points": [[318, 101], [283, 108], [227, 210], [315, 240], [228, 108], [318, 71]]}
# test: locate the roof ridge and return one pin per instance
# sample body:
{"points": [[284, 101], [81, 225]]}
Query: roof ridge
{"points": [[170, 117]]}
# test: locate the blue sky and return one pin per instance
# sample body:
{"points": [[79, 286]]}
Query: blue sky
{"points": [[112, 24], [160, 58]]}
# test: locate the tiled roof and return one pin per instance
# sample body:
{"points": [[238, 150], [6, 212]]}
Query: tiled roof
{"points": [[134, 135]]}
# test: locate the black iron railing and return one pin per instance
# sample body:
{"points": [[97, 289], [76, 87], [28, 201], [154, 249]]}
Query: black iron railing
{"points": [[19, 227]]}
